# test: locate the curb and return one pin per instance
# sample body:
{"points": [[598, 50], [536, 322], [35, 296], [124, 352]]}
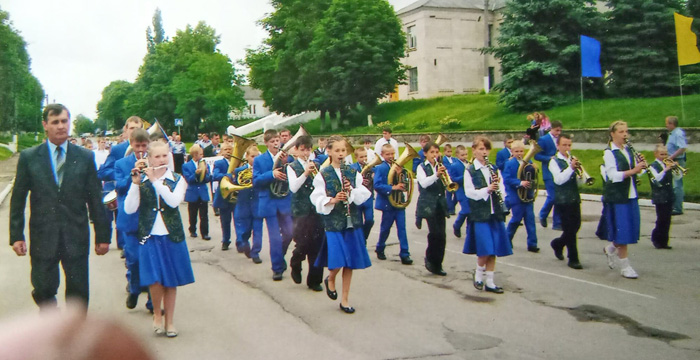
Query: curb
{"points": [[6, 191], [642, 202]]}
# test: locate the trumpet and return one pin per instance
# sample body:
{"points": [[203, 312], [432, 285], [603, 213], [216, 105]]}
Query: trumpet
{"points": [[581, 172], [445, 178], [676, 169]]}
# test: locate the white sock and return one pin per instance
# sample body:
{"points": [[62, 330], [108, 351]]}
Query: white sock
{"points": [[612, 249], [489, 279], [479, 273], [624, 263]]}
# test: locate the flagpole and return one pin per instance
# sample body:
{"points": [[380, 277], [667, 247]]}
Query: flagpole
{"points": [[582, 115], [680, 85]]}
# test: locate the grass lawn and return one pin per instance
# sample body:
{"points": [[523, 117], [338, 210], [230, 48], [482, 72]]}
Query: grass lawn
{"points": [[5, 153], [25, 141], [481, 112]]}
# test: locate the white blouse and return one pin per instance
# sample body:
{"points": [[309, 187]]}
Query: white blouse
{"points": [[483, 193], [296, 182], [171, 198], [611, 168], [358, 195], [424, 180]]}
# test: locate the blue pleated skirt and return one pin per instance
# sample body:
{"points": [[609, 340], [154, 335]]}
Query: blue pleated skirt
{"points": [[165, 262], [344, 249], [623, 222], [487, 239]]}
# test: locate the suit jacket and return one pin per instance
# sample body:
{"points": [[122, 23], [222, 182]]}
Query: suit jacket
{"points": [[456, 172], [382, 187], [262, 178], [122, 179], [58, 211], [549, 149], [219, 172], [196, 190], [502, 157], [107, 171], [512, 182]]}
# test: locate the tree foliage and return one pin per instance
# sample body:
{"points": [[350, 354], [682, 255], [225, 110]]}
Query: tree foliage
{"points": [[538, 47], [112, 108], [641, 47], [21, 94], [693, 7], [82, 124], [156, 35]]}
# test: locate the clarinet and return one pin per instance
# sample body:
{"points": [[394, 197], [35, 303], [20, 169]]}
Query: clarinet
{"points": [[348, 214], [494, 179], [639, 158]]}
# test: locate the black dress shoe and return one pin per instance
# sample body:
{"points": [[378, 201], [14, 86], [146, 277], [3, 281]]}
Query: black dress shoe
{"points": [[331, 294], [224, 246], [131, 301], [316, 287], [495, 290], [458, 232], [406, 260], [419, 223], [380, 255], [277, 276], [296, 275], [216, 212], [574, 264], [122, 255], [556, 227], [533, 249], [543, 222], [193, 234], [440, 272], [257, 260], [206, 237], [558, 252], [347, 310], [246, 252], [479, 285]]}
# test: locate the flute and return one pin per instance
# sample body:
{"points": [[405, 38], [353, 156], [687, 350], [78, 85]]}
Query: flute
{"points": [[143, 171]]}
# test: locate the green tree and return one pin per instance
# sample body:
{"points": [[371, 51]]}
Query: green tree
{"points": [[693, 7], [641, 47], [539, 50], [156, 35], [82, 124], [112, 108]]}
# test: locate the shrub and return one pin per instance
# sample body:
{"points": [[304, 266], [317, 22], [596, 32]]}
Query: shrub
{"points": [[450, 123]]}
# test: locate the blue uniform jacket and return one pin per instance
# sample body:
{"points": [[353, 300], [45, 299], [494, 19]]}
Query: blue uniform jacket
{"points": [[247, 204], [357, 167], [417, 161], [502, 157], [511, 181], [195, 190], [221, 170], [382, 187], [106, 172], [122, 175], [262, 178], [549, 149], [456, 172]]}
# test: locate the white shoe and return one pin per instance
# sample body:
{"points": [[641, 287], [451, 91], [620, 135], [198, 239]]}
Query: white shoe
{"points": [[629, 273], [612, 257]]}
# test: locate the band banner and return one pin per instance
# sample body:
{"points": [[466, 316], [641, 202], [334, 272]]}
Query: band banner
{"points": [[686, 41], [590, 57]]}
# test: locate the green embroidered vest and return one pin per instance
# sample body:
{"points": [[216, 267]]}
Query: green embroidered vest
{"points": [[432, 197], [149, 208], [662, 192], [618, 193], [480, 210], [568, 192], [301, 200], [337, 219]]}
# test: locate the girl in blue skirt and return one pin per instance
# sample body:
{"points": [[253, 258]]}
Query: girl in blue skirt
{"points": [[483, 186], [338, 191], [163, 256], [620, 196]]}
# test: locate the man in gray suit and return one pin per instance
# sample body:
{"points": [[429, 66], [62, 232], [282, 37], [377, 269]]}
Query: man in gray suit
{"points": [[63, 183]]}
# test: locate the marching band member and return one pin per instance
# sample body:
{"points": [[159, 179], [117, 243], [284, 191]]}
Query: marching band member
{"points": [[457, 174], [522, 211], [127, 223], [568, 200], [197, 195], [367, 208], [488, 239], [320, 150], [371, 155], [505, 154], [308, 226], [338, 190], [390, 214], [163, 255], [662, 196], [548, 144], [386, 139], [276, 211], [245, 216], [226, 208], [448, 161], [423, 139], [432, 207], [620, 193]]}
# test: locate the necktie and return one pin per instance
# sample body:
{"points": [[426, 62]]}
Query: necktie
{"points": [[60, 161]]}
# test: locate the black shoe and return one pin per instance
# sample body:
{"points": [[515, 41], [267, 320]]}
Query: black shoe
{"points": [[224, 246], [440, 272], [558, 252], [457, 232], [406, 260], [479, 285], [193, 234], [495, 290], [206, 237], [122, 255], [246, 252], [131, 301], [666, 247], [574, 264], [296, 275], [331, 294], [433, 269], [257, 260], [277, 276], [316, 287], [216, 212], [419, 223], [533, 249], [380, 255], [556, 227], [543, 222], [674, 213], [347, 310]]}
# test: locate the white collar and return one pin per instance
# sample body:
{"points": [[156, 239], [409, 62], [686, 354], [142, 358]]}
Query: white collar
{"points": [[560, 156], [614, 147], [477, 164]]}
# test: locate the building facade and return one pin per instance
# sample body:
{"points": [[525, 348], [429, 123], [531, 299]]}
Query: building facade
{"points": [[444, 42], [255, 105]]}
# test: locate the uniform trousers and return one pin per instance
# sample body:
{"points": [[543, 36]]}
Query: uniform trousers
{"points": [[308, 236], [389, 217], [199, 207], [279, 230], [570, 224], [435, 252], [523, 212], [659, 236], [367, 211], [549, 203], [226, 214]]}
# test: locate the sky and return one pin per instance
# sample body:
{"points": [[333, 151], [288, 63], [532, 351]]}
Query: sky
{"points": [[78, 47]]}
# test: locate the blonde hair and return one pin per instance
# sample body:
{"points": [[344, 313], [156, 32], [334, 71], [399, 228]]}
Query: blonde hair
{"points": [[195, 149], [252, 149], [659, 147], [517, 144], [157, 144]]}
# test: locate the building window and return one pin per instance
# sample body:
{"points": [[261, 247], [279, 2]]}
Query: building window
{"points": [[490, 34], [413, 80], [492, 77], [411, 33]]}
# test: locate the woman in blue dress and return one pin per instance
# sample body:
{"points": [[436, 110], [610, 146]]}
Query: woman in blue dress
{"points": [[338, 191], [488, 239], [163, 256], [620, 197]]}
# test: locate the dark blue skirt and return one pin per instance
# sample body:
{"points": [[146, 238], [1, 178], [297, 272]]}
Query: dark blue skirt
{"points": [[623, 222], [488, 239], [344, 249], [165, 262]]}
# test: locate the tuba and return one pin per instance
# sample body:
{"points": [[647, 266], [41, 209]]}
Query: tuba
{"points": [[229, 190], [280, 188], [398, 198], [368, 175], [528, 172]]}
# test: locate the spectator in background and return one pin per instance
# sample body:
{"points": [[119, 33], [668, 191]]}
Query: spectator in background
{"points": [[545, 125], [179, 150], [206, 145], [88, 144], [503, 155], [285, 135], [215, 143], [371, 155], [676, 145], [386, 139], [101, 152]]}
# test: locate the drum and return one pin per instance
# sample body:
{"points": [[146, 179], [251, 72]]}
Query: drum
{"points": [[110, 201]]}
